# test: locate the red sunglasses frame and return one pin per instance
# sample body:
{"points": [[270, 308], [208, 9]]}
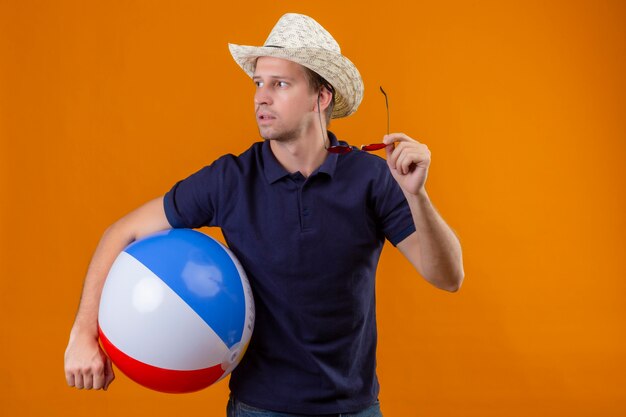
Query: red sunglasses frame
{"points": [[342, 149]]}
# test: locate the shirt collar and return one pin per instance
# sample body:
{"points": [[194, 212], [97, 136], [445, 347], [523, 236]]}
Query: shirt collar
{"points": [[274, 171]]}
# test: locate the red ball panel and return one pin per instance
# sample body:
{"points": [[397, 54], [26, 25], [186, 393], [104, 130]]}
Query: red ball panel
{"points": [[159, 379]]}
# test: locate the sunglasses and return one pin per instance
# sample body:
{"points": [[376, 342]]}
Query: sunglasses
{"points": [[341, 149]]}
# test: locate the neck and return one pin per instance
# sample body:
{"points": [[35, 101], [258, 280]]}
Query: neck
{"points": [[304, 154]]}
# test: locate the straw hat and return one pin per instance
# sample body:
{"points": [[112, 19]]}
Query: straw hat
{"points": [[301, 39]]}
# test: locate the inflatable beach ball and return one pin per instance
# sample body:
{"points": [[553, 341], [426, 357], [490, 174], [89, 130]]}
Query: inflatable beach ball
{"points": [[176, 312]]}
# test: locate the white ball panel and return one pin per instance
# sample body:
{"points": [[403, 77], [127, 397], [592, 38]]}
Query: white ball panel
{"points": [[148, 321]]}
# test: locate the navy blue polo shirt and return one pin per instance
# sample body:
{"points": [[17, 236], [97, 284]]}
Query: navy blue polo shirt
{"points": [[310, 247]]}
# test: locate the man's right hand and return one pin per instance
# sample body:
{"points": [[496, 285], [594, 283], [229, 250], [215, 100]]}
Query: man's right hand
{"points": [[86, 364]]}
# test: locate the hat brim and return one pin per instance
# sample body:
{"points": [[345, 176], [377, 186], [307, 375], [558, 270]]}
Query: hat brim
{"points": [[338, 70]]}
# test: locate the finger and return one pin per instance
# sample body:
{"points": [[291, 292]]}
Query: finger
{"points": [[69, 377], [408, 162], [78, 380], [109, 374], [98, 379], [398, 153], [405, 160], [397, 137], [87, 381], [389, 150], [414, 157]]}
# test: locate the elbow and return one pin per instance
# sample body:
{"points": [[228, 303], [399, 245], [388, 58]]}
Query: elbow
{"points": [[451, 282], [116, 229], [119, 231], [455, 284], [445, 273], [458, 278], [455, 277]]}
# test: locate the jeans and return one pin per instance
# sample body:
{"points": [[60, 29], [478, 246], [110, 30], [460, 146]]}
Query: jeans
{"points": [[238, 409]]}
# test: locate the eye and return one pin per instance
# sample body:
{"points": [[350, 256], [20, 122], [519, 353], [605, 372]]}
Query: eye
{"points": [[258, 84], [282, 84]]}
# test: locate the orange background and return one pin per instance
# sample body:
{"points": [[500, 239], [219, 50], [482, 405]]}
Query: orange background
{"points": [[104, 105]]}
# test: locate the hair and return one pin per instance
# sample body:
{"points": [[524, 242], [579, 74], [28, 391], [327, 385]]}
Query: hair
{"points": [[316, 82]]}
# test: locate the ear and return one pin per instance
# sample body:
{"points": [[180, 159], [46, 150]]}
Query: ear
{"points": [[325, 97]]}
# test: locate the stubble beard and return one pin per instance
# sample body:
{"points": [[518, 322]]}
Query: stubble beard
{"points": [[282, 136]]}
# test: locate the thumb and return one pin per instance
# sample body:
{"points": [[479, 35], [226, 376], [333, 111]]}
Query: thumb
{"points": [[388, 150], [109, 375]]}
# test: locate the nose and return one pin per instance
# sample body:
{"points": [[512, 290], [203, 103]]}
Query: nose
{"points": [[262, 96]]}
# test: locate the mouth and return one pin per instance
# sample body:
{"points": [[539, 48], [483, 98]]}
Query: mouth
{"points": [[265, 117]]}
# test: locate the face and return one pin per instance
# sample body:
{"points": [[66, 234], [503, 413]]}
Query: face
{"points": [[283, 101]]}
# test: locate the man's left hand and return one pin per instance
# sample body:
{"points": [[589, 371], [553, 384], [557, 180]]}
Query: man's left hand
{"points": [[408, 161]]}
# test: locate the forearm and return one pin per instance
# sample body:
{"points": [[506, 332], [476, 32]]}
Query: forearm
{"points": [[440, 255], [113, 241]]}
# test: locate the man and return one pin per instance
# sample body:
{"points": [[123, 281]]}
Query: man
{"points": [[307, 217]]}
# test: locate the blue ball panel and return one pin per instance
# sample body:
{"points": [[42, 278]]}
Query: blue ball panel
{"points": [[201, 272]]}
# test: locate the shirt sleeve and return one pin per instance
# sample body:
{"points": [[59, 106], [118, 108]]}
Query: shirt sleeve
{"points": [[189, 203], [392, 208]]}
